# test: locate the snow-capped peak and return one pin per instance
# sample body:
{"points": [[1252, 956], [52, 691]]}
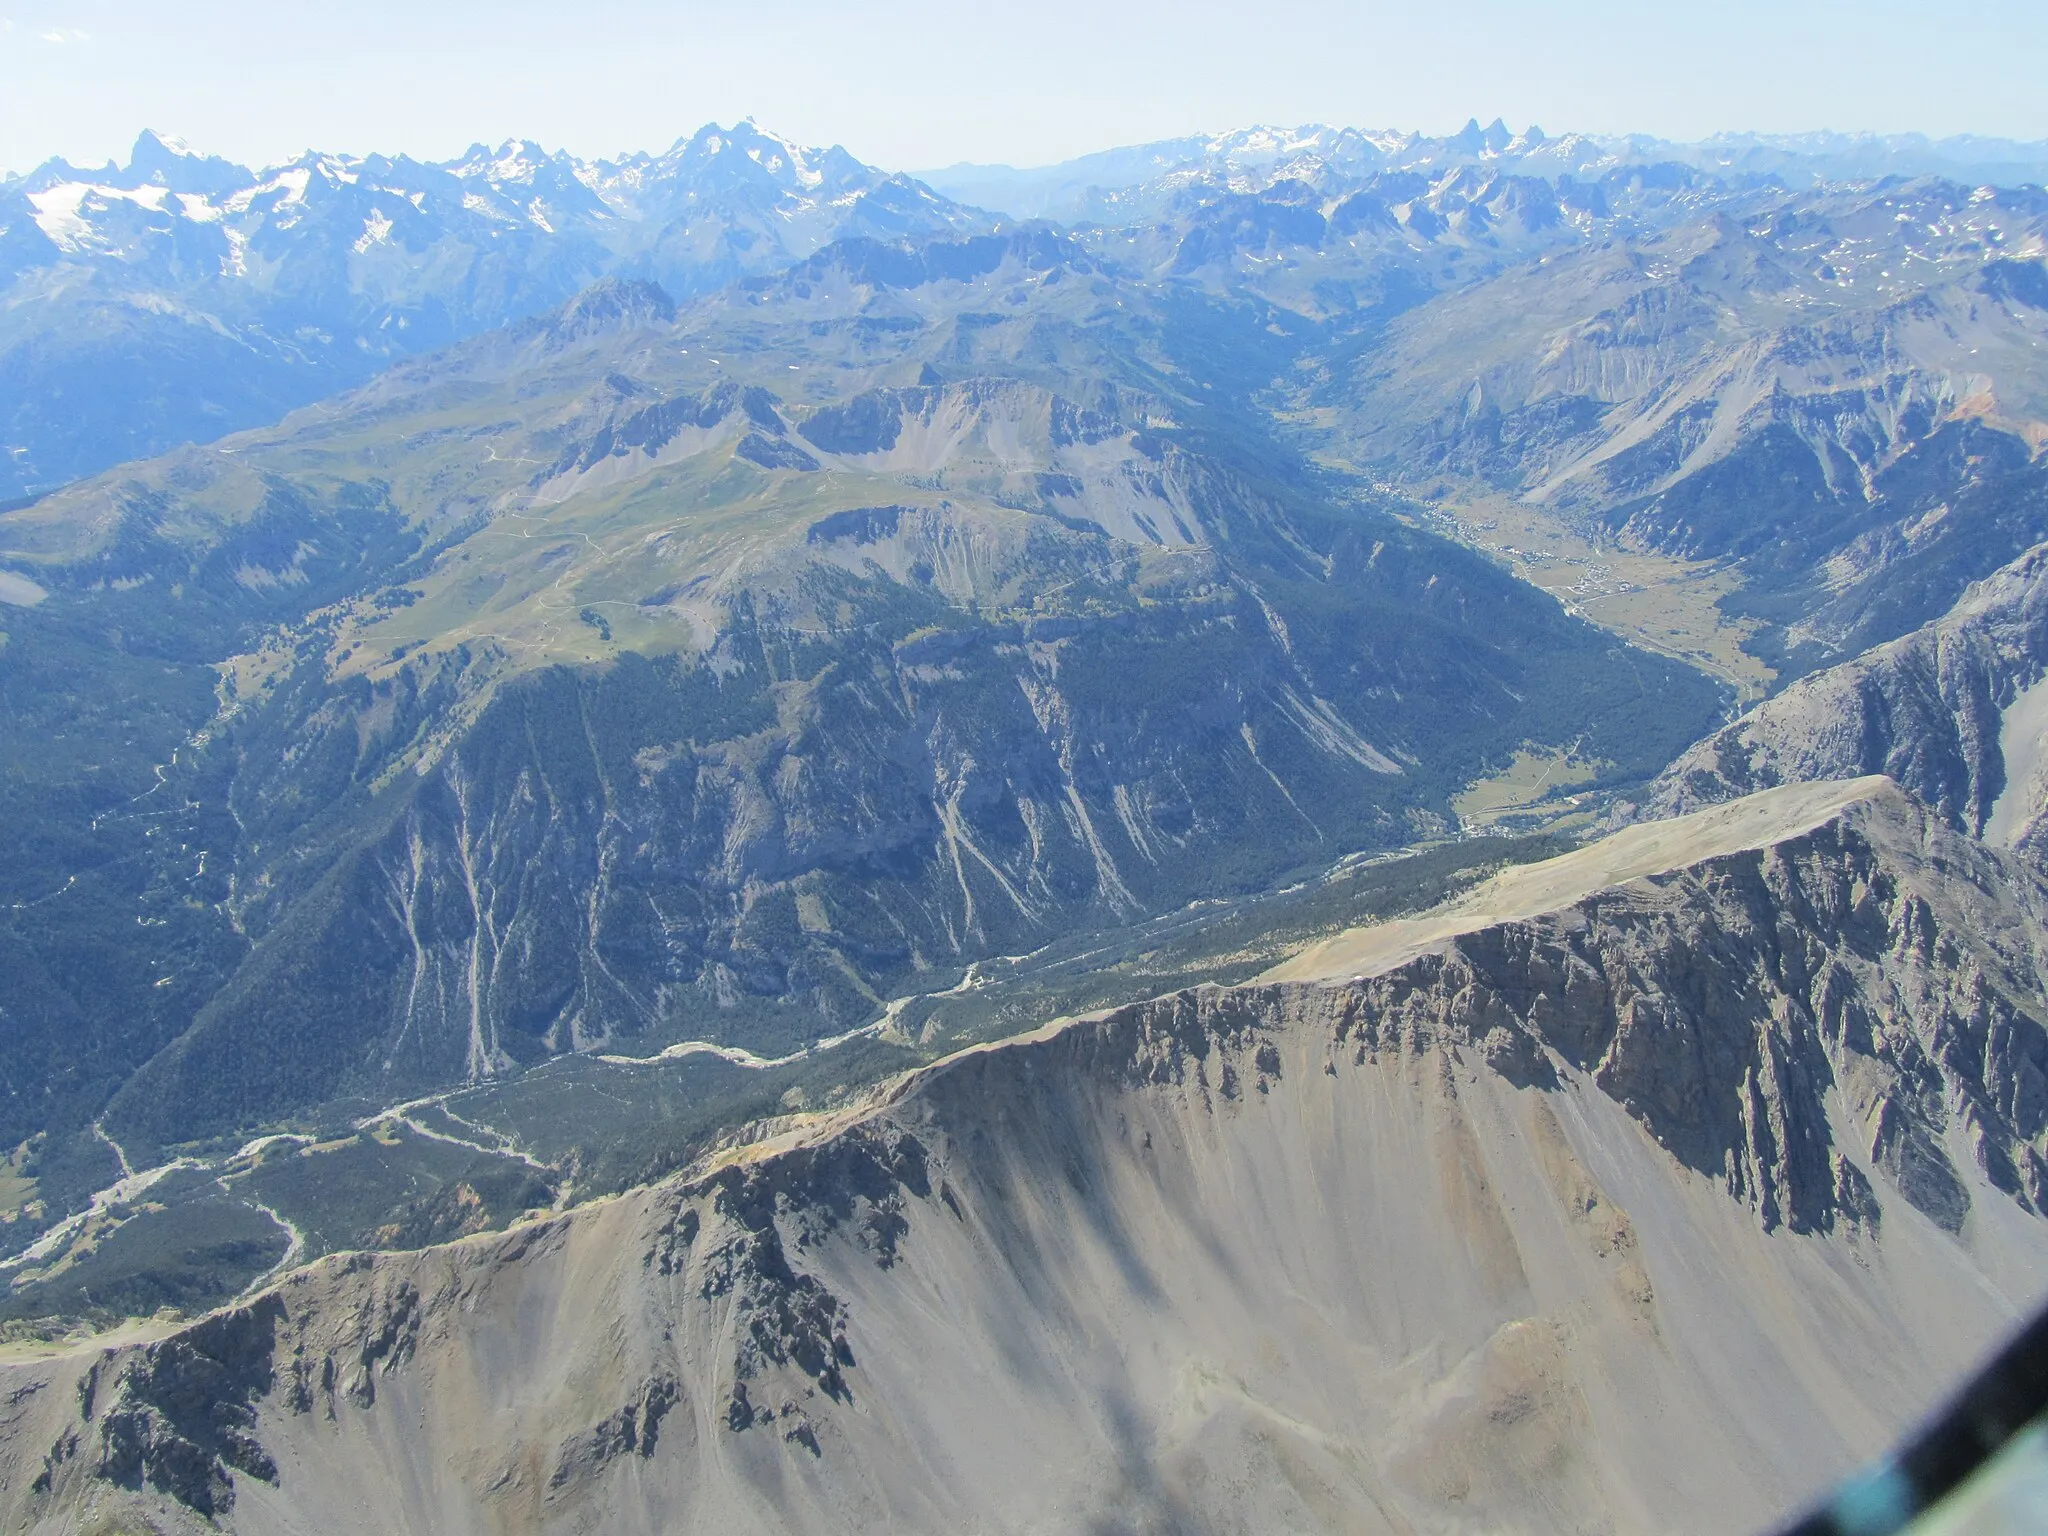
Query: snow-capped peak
{"points": [[169, 143], [515, 162], [69, 212]]}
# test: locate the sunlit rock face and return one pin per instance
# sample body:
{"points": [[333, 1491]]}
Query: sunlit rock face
{"points": [[1601, 1204]]}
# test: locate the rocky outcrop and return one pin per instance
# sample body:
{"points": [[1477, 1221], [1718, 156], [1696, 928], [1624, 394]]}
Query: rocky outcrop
{"points": [[1940, 710], [179, 1415], [1228, 1251]]}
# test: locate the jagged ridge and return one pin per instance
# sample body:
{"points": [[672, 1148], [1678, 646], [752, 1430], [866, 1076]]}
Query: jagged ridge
{"points": [[990, 1254]]}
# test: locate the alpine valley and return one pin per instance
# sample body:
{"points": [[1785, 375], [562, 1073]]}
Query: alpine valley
{"points": [[1312, 829]]}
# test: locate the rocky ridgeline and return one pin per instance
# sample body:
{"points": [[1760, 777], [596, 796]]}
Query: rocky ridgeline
{"points": [[1930, 710], [1837, 1032]]}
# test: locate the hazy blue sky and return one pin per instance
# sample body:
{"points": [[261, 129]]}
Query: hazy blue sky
{"points": [[917, 83]]}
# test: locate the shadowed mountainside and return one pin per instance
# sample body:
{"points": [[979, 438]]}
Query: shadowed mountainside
{"points": [[1662, 1202], [723, 673]]}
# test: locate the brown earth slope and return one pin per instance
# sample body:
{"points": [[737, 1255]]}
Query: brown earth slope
{"points": [[1638, 1206]]}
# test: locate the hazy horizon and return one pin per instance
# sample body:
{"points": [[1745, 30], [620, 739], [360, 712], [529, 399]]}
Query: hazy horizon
{"points": [[906, 85], [184, 142]]}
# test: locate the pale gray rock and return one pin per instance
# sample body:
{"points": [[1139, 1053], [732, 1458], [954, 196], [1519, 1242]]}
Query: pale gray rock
{"points": [[1951, 711], [1652, 1189]]}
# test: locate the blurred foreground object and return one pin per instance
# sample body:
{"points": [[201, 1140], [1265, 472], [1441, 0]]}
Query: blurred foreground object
{"points": [[1979, 1468]]}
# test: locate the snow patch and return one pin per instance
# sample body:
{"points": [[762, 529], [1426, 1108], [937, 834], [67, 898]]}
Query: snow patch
{"points": [[63, 212], [287, 186], [376, 229]]}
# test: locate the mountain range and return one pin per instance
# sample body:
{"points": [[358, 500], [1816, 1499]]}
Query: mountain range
{"points": [[1077, 189], [964, 796], [180, 297]]}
